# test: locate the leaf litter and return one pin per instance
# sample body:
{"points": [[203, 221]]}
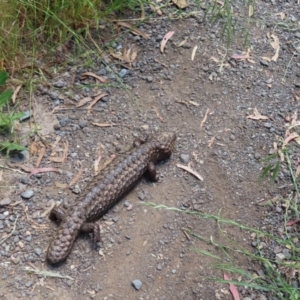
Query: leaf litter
{"points": [[165, 39]]}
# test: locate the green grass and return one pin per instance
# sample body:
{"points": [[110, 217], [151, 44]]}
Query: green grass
{"points": [[278, 275], [8, 116]]}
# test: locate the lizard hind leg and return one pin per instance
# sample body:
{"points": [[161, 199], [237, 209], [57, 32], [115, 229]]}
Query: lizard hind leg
{"points": [[92, 228]]}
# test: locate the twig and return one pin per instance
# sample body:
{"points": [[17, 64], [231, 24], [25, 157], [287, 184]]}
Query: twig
{"points": [[204, 119], [11, 231], [46, 273], [11, 169], [186, 168]]}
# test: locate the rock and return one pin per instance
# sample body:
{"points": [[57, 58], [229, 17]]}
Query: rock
{"points": [[38, 251], [279, 257], [123, 73], [28, 283], [264, 63], [82, 123], [19, 157], [185, 158], [149, 78], [159, 267], [63, 122], [5, 201], [26, 116], [141, 195], [2, 217], [297, 84], [27, 194], [137, 284], [105, 99], [15, 259], [60, 84], [115, 219], [24, 180], [126, 203], [56, 127], [268, 125], [257, 155]]}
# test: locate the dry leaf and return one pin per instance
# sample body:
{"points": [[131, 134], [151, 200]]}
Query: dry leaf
{"points": [[194, 52], [257, 116], [181, 43], [41, 155], [215, 59], [83, 101], [165, 39], [133, 29], [104, 124], [60, 185], [100, 78], [43, 170], [34, 148], [266, 58], [181, 3], [76, 178], [211, 141], [282, 15], [156, 9], [15, 94], [251, 10], [188, 169], [95, 101], [275, 45], [204, 119], [240, 56], [234, 291], [289, 138]]}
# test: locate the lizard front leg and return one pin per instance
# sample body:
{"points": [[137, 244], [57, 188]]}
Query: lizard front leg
{"points": [[154, 176]]}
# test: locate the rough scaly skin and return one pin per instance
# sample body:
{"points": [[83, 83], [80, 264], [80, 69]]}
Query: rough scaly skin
{"points": [[105, 190]]}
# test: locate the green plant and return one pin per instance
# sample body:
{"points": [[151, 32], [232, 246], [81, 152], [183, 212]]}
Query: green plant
{"points": [[278, 278], [7, 118]]}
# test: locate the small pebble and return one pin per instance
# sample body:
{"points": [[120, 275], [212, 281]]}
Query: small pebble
{"points": [[27, 194], [38, 251], [123, 73], [185, 158], [5, 201], [149, 79], [137, 284], [60, 84], [159, 267], [26, 116]]}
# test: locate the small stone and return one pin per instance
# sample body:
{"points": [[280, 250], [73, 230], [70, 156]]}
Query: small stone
{"points": [[115, 219], [63, 122], [15, 260], [123, 73], [268, 125], [38, 251], [105, 99], [82, 123], [159, 267], [26, 116], [262, 297], [56, 127], [232, 137], [280, 257], [173, 271], [184, 158], [19, 157], [2, 217], [141, 195], [149, 78], [5, 201], [27, 194], [257, 155], [278, 209], [28, 283], [69, 282], [137, 284], [60, 84], [264, 63], [277, 249], [24, 180], [297, 84], [126, 203]]}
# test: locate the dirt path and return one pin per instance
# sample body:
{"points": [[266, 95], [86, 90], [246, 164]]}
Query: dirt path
{"points": [[171, 92]]}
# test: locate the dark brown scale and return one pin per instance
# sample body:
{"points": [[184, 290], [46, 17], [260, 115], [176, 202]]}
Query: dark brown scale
{"points": [[105, 190]]}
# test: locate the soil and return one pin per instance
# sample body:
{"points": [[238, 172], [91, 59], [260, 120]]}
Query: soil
{"points": [[168, 91]]}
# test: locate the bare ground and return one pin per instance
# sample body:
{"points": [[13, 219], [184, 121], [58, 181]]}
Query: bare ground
{"points": [[169, 91]]}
